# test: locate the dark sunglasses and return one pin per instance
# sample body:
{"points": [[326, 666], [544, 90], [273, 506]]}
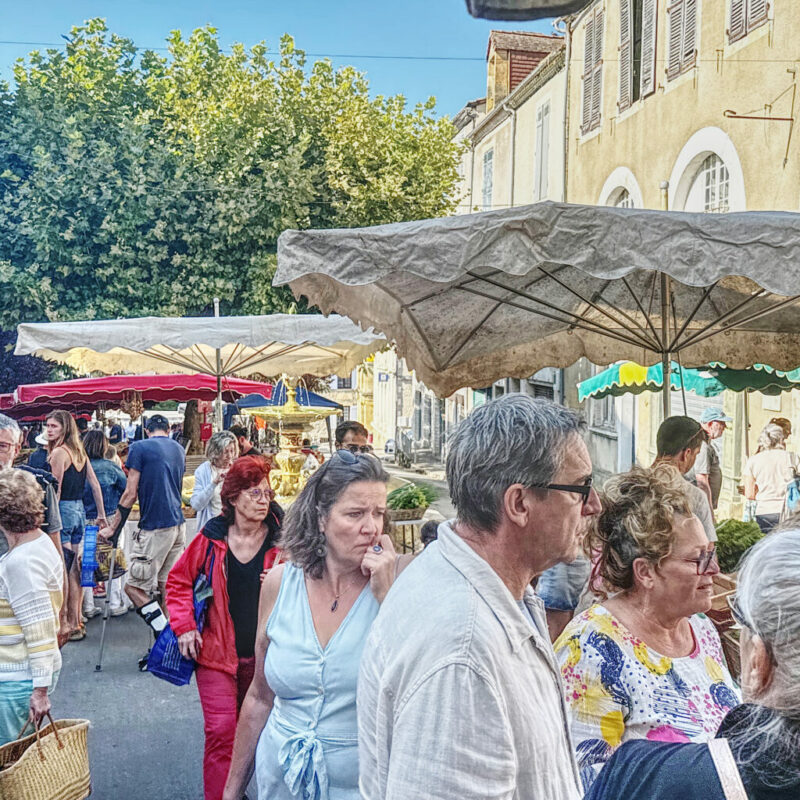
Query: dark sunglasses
{"points": [[350, 456], [584, 489], [355, 448], [703, 561]]}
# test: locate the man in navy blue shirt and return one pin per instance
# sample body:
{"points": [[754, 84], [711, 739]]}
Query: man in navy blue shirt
{"points": [[155, 474]]}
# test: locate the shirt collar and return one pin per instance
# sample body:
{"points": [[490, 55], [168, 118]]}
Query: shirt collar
{"points": [[489, 586]]}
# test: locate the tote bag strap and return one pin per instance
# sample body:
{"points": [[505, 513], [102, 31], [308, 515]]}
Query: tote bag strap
{"points": [[727, 771]]}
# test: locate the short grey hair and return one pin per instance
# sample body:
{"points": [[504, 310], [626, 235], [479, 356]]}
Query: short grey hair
{"points": [[769, 600], [301, 536], [218, 443], [514, 439], [8, 424], [771, 438]]}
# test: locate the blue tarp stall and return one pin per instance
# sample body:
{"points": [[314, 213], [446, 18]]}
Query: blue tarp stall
{"points": [[302, 395]]}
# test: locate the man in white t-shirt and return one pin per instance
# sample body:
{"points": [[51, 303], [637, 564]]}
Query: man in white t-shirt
{"points": [[678, 442]]}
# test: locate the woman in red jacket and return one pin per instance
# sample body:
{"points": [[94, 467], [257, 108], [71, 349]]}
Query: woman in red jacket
{"points": [[242, 539]]}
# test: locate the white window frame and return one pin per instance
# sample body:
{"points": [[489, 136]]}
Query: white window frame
{"points": [[716, 185]]}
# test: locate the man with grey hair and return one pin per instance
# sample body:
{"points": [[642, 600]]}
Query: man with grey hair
{"points": [[467, 702]]}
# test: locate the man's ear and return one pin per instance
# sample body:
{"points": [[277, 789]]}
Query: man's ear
{"points": [[517, 504]]}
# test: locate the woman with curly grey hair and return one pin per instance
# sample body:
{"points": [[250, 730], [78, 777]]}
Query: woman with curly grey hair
{"points": [[756, 751], [221, 451], [298, 720], [645, 663], [31, 595]]}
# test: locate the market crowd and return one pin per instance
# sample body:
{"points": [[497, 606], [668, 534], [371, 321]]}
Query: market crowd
{"points": [[551, 641]]}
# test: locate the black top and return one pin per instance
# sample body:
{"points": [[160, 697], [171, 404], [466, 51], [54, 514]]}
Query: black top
{"points": [[72, 482], [244, 587]]}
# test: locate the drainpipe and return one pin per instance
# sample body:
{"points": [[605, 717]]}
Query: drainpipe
{"points": [[568, 34], [472, 161]]}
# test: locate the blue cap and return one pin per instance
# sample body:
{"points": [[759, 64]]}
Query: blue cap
{"points": [[714, 415]]}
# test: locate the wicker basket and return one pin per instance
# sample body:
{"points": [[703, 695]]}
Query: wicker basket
{"points": [[52, 764], [404, 514]]}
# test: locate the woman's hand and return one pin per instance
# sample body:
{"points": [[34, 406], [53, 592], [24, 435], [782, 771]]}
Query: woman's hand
{"points": [[189, 644], [39, 705], [380, 566]]}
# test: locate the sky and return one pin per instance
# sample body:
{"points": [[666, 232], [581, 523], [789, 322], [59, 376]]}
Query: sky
{"points": [[346, 29]]}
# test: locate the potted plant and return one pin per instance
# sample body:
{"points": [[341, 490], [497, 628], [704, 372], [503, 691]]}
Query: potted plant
{"points": [[409, 501]]}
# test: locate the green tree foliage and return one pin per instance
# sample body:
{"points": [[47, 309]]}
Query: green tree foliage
{"points": [[132, 183]]}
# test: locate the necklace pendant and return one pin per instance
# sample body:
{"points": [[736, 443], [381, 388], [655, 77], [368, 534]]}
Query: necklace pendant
{"points": [[335, 604]]}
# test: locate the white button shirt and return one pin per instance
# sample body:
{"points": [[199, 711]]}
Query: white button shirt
{"points": [[459, 696]]}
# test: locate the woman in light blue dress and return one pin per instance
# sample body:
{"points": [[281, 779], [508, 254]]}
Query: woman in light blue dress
{"points": [[298, 721]]}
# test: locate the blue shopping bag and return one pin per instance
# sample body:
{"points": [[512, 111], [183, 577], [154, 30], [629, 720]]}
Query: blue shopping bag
{"points": [[165, 660]]}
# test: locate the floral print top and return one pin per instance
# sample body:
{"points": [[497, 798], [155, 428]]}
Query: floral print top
{"points": [[618, 688]]}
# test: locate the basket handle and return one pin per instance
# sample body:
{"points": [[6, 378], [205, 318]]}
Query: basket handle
{"points": [[38, 731]]}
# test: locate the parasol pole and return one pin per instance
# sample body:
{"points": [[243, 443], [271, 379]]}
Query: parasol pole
{"points": [[665, 313], [218, 404]]}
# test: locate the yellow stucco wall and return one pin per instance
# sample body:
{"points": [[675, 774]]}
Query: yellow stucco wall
{"points": [[665, 137]]}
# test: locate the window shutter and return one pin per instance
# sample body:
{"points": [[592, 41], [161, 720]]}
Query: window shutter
{"points": [[675, 12], [648, 70], [689, 49], [598, 67], [737, 23], [545, 151], [757, 12], [625, 54], [537, 194], [588, 63]]}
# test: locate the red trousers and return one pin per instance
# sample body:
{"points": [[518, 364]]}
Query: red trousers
{"points": [[221, 696]]}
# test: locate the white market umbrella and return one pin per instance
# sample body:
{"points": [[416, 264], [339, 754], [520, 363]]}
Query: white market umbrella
{"points": [[274, 344], [473, 298]]}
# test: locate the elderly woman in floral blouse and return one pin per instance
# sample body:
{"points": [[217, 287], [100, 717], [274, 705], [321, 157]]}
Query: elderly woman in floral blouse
{"points": [[645, 662]]}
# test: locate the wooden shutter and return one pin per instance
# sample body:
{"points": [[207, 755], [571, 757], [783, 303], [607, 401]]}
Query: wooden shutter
{"points": [[648, 68], [675, 38], [625, 54], [757, 12], [737, 27], [689, 48], [544, 152], [588, 64], [598, 67]]}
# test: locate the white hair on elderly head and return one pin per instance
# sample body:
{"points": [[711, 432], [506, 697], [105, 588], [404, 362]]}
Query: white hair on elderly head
{"points": [[772, 437], [768, 595], [514, 439], [8, 424], [218, 443]]}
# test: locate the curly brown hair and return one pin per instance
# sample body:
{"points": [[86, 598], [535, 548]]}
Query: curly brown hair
{"points": [[636, 521], [21, 506]]}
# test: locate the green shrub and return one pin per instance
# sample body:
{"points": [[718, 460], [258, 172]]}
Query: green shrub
{"points": [[411, 496], [734, 539]]}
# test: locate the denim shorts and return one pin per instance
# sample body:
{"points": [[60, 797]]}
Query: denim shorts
{"points": [[561, 586], [73, 521]]}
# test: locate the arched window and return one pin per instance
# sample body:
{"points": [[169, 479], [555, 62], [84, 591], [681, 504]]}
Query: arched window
{"points": [[622, 199], [709, 191]]}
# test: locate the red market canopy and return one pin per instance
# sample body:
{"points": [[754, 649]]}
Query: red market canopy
{"points": [[84, 395]]}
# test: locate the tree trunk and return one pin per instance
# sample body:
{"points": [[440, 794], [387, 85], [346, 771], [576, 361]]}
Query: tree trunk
{"points": [[191, 428]]}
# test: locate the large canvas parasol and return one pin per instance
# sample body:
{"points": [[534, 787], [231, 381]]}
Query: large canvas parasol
{"points": [[470, 299], [273, 344]]}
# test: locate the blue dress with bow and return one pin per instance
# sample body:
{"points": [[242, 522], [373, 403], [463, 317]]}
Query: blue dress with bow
{"points": [[309, 746]]}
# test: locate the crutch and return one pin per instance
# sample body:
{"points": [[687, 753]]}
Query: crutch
{"points": [[114, 543]]}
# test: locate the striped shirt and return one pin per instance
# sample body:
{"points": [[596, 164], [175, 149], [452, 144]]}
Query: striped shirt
{"points": [[31, 595]]}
